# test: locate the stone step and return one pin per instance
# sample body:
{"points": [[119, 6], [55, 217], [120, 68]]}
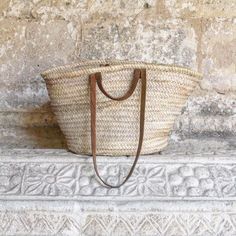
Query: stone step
{"points": [[54, 192]]}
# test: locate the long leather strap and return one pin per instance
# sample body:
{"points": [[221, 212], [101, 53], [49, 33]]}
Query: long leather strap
{"points": [[96, 78]]}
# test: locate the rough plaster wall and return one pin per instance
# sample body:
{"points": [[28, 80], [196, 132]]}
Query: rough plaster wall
{"points": [[38, 34]]}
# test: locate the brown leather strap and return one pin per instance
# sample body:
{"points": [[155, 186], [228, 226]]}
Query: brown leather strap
{"points": [[97, 79]]}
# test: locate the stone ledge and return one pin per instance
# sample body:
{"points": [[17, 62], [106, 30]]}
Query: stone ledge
{"points": [[53, 192], [57, 174]]}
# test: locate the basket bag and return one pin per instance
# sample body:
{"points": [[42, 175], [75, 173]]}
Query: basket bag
{"points": [[109, 107]]}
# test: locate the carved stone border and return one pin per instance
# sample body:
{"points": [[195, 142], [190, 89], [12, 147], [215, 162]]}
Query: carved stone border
{"points": [[62, 175], [168, 195], [129, 223]]}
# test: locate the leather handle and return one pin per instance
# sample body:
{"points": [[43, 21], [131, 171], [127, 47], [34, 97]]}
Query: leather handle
{"points": [[96, 78], [129, 92]]}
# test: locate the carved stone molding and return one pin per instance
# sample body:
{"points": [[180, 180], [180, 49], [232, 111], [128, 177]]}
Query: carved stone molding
{"points": [[53, 192], [62, 175], [129, 223]]}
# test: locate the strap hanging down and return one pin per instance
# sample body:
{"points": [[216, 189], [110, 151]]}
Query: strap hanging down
{"points": [[97, 79]]}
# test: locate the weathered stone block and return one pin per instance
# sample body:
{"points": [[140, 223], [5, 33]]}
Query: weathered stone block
{"points": [[183, 8], [201, 8], [44, 10], [3, 6], [219, 55], [217, 8], [28, 48], [12, 49], [209, 115], [72, 10], [145, 38], [49, 45], [116, 7]]}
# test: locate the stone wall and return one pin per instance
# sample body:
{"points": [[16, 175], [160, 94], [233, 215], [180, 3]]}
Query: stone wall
{"points": [[38, 34]]}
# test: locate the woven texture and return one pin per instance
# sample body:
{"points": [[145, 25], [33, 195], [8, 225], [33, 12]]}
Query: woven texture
{"points": [[168, 88]]}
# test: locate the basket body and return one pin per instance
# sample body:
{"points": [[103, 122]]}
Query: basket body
{"points": [[168, 88]]}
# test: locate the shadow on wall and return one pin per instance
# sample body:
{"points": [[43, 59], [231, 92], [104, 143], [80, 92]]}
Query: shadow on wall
{"points": [[34, 127], [47, 133]]}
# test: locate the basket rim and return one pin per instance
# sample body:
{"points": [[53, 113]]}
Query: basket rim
{"points": [[71, 70]]}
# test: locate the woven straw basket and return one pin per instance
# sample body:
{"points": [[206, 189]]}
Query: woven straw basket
{"points": [[118, 122], [168, 88]]}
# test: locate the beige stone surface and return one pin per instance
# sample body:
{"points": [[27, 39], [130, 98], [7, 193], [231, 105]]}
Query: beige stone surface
{"points": [[217, 8], [211, 115], [26, 49], [201, 8], [146, 38], [36, 35], [219, 55]]}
